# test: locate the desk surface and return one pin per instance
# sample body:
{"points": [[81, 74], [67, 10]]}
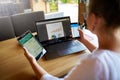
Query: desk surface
{"points": [[15, 66]]}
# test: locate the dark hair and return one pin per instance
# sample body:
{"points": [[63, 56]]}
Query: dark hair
{"points": [[109, 10]]}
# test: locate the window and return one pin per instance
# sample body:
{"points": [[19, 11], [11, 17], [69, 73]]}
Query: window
{"points": [[52, 8]]}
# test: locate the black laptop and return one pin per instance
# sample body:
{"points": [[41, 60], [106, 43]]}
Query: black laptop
{"points": [[56, 37]]}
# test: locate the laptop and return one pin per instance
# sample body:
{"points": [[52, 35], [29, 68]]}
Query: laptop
{"points": [[56, 37]]}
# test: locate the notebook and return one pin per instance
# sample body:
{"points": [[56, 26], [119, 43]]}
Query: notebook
{"points": [[56, 37]]}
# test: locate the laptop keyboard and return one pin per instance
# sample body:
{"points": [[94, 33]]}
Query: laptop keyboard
{"points": [[73, 47], [65, 48]]}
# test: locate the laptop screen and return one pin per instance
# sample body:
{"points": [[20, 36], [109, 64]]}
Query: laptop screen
{"points": [[56, 29]]}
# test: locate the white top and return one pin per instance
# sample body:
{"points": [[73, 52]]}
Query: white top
{"points": [[100, 65]]}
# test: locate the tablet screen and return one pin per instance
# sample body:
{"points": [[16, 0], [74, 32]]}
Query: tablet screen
{"points": [[31, 44]]}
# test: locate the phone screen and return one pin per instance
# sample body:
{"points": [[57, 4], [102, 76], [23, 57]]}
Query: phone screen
{"points": [[31, 44], [74, 28]]}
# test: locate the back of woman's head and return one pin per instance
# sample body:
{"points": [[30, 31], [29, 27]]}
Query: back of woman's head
{"points": [[109, 10]]}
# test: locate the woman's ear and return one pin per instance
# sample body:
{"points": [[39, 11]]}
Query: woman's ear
{"points": [[92, 22]]}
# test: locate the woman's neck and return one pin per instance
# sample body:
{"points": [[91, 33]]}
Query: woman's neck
{"points": [[110, 41]]}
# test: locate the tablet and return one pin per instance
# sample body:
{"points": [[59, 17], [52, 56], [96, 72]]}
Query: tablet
{"points": [[28, 41]]}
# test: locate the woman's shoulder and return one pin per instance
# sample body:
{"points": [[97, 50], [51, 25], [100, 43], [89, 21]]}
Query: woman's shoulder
{"points": [[104, 53], [100, 59], [104, 56]]}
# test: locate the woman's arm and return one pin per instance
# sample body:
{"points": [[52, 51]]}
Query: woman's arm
{"points": [[87, 43], [39, 71]]}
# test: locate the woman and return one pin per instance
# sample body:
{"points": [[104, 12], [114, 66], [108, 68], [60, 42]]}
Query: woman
{"points": [[103, 64]]}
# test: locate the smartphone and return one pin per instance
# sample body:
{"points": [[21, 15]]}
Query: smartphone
{"points": [[28, 41], [74, 28]]}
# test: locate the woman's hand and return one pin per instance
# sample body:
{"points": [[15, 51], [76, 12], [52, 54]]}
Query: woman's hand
{"points": [[39, 71], [82, 38], [86, 42], [28, 55]]}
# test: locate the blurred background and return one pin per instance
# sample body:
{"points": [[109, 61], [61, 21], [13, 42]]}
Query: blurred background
{"points": [[51, 8]]}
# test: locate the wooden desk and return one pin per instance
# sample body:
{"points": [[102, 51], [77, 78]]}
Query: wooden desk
{"points": [[15, 66]]}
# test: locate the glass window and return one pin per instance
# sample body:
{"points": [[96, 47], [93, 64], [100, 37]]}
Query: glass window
{"points": [[59, 8], [69, 8], [52, 8]]}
